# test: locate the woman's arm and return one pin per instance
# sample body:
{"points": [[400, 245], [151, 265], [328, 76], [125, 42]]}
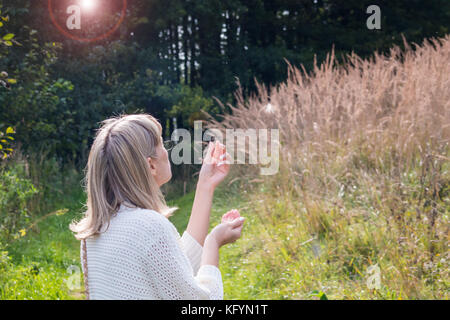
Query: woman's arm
{"points": [[201, 210], [223, 233], [169, 272], [214, 169]]}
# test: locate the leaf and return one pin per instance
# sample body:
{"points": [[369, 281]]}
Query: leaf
{"points": [[61, 212], [320, 294], [9, 36], [323, 296], [1, 147], [1, 24], [10, 130], [8, 43], [12, 81]]}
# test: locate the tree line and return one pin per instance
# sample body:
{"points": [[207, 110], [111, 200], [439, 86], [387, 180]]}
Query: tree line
{"points": [[171, 58]]}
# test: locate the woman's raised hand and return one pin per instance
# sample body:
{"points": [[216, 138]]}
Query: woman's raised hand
{"points": [[216, 165]]}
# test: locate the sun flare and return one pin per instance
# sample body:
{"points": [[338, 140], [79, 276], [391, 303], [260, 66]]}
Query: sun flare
{"points": [[88, 4]]}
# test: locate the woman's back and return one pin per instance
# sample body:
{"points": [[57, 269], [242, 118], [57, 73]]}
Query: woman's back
{"points": [[142, 256], [136, 252]]}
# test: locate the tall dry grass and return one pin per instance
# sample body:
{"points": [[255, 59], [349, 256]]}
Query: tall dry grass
{"points": [[364, 166]]}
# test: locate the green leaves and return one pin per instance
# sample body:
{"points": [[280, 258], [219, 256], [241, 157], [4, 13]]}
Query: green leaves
{"points": [[319, 294], [6, 19], [189, 104], [10, 130], [9, 36], [7, 39], [15, 194], [5, 149]]}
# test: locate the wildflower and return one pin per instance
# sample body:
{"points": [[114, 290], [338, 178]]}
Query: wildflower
{"points": [[23, 232]]}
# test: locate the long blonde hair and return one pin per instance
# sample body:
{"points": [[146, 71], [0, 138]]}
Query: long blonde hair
{"points": [[118, 171]]}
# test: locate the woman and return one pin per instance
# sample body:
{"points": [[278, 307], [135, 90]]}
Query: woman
{"points": [[129, 249]]}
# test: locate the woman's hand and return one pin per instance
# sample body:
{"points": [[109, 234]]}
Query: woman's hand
{"points": [[216, 165], [229, 230], [231, 215]]}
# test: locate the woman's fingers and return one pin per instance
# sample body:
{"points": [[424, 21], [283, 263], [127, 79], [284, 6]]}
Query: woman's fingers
{"points": [[209, 153], [226, 216], [229, 231], [224, 159], [230, 215], [238, 225], [216, 154], [237, 222], [217, 151]]}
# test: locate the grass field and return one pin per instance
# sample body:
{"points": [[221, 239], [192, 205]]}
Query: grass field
{"points": [[39, 263], [276, 258]]}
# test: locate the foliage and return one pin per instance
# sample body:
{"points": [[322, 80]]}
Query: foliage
{"points": [[159, 59], [15, 193], [6, 139], [36, 105], [5, 136], [39, 263], [189, 106]]}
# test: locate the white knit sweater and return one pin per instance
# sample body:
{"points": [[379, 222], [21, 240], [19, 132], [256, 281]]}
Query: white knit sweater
{"points": [[142, 256]]}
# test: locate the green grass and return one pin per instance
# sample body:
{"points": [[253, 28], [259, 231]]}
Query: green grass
{"points": [[287, 251], [40, 262]]}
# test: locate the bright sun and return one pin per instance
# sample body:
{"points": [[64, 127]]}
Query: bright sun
{"points": [[88, 4]]}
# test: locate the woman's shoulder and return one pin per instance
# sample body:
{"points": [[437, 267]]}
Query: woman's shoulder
{"points": [[142, 219]]}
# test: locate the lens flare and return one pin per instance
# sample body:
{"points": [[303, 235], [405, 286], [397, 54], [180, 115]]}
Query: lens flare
{"points": [[88, 4]]}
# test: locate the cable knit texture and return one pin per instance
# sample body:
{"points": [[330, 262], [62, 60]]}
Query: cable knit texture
{"points": [[142, 256]]}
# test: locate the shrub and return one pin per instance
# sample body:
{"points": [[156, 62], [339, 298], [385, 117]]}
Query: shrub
{"points": [[15, 194]]}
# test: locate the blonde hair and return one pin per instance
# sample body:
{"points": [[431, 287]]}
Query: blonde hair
{"points": [[118, 170]]}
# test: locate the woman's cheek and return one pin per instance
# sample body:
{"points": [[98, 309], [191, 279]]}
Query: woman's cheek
{"points": [[169, 169]]}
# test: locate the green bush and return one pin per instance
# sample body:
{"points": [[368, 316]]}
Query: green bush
{"points": [[15, 194]]}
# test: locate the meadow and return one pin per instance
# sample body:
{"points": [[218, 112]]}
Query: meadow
{"points": [[359, 209]]}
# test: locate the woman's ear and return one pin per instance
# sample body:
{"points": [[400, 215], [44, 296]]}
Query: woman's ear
{"points": [[152, 166]]}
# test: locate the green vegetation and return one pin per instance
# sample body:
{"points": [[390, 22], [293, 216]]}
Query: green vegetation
{"points": [[172, 63], [276, 258], [35, 265]]}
